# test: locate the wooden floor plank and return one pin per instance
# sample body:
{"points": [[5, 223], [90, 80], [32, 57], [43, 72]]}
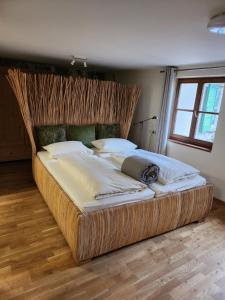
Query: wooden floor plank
{"points": [[36, 262]]}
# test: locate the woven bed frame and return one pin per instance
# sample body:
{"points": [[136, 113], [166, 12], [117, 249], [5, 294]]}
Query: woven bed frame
{"points": [[95, 233], [50, 99]]}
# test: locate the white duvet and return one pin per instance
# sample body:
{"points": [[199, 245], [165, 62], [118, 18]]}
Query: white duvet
{"points": [[182, 185], [171, 170], [99, 177]]}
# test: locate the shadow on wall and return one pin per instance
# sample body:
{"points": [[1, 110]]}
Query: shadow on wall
{"points": [[144, 134]]}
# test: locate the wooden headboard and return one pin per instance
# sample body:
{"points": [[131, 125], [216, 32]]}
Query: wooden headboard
{"points": [[52, 99]]}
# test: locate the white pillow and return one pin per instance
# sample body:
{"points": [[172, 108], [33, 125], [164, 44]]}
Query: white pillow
{"points": [[58, 149], [113, 145]]}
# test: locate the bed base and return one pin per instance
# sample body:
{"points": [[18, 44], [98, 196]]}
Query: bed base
{"points": [[95, 233]]}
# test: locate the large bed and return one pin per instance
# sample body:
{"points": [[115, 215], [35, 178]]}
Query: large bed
{"points": [[93, 228]]}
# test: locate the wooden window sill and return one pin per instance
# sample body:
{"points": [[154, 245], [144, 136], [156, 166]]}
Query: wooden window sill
{"points": [[190, 145]]}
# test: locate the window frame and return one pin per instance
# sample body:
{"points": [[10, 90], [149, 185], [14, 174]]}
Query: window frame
{"points": [[191, 141]]}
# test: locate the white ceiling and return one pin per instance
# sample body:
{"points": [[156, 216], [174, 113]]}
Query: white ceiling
{"points": [[114, 33]]}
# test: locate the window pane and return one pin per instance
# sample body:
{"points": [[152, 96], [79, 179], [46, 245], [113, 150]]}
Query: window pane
{"points": [[183, 123], [212, 95], [206, 127], [187, 94]]}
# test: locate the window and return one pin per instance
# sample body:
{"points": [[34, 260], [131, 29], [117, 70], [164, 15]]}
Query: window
{"points": [[196, 111]]}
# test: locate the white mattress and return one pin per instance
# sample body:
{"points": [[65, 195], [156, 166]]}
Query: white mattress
{"points": [[79, 194]]}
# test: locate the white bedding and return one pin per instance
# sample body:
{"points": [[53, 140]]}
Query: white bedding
{"points": [[85, 200], [99, 176], [79, 194], [182, 185], [171, 170], [160, 189]]}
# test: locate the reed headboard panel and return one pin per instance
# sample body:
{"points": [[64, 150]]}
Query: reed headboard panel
{"points": [[54, 99]]}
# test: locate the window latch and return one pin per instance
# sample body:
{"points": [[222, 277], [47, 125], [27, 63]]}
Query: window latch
{"points": [[195, 114]]}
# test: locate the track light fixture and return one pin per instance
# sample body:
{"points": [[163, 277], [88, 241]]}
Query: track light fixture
{"points": [[79, 61]]}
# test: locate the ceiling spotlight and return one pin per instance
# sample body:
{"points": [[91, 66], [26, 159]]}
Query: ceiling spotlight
{"points": [[73, 61], [79, 61], [217, 24]]}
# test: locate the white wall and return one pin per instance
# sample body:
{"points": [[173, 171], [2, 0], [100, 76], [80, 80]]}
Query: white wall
{"points": [[211, 164], [151, 83]]}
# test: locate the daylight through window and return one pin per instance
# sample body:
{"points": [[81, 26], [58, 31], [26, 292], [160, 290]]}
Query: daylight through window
{"points": [[196, 111]]}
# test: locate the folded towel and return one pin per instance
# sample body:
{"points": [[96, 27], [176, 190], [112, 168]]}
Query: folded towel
{"points": [[141, 169]]}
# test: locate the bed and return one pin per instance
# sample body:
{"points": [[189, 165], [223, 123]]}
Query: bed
{"points": [[93, 232], [50, 99]]}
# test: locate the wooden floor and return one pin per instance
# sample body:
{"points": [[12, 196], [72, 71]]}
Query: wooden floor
{"points": [[36, 263]]}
